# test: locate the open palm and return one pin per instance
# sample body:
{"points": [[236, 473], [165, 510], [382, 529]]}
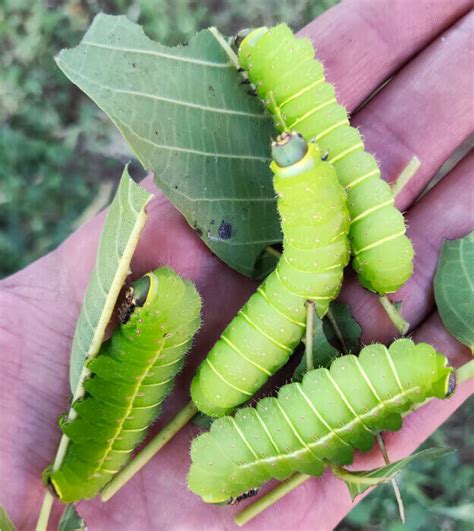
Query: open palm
{"points": [[425, 110]]}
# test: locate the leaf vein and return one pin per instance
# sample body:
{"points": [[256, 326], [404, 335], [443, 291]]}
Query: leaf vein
{"points": [[157, 54]]}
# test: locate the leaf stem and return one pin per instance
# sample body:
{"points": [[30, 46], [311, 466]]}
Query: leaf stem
{"points": [[393, 481], [277, 112], [43, 518], [225, 45], [309, 336], [337, 331], [270, 498], [407, 173], [271, 250], [395, 316], [465, 372], [154, 446]]}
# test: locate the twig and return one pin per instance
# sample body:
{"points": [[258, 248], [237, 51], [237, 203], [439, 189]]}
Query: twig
{"points": [[465, 372], [393, 481], [337, 330], [407, 173], [271, 250], [270, 498], [281, 124], [43, 518], [225, 45], [395, 316]]}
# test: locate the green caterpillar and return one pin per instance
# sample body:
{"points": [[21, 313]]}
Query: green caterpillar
{"points": [[292, 84], [263, 335], [319, 422], [130, 378]]}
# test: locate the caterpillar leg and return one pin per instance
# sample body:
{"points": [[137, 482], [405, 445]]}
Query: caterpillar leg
{"points": [[393, 481]]}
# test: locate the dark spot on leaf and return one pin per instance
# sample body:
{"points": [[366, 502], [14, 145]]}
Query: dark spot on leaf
{"points": [[213, 221], [134, 65], [225, 230], [211, 89]]}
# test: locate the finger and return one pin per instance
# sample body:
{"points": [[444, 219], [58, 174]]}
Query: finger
{"points": [[444, 213], [363, 43], [420, 113]]}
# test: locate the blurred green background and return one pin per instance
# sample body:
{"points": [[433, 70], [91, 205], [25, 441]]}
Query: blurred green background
{"points": [[60, 158]]}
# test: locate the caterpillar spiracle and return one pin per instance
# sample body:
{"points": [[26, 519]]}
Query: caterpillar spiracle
{"points": [[292, 84], [265, 332], [318, 422], [130, 378]]}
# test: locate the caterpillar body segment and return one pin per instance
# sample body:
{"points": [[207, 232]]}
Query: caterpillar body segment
{"points": [[318, 422], [265, 332], [292, 84], [130, 378]]}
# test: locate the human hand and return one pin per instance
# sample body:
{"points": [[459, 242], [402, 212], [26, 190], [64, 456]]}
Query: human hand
{"points": [[362, 43]]}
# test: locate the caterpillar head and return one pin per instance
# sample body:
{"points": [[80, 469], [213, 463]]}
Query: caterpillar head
{"points": [[288, 149], [245, 41], [292, 155], [240, 37], [136, 295]]}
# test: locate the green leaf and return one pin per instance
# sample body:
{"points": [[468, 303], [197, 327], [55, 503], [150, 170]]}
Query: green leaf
{"points": [[338, 327], [342, 329], [5, 523], [359, 482], [71, 521], [187, 118], [124, 222], [454, 288]]}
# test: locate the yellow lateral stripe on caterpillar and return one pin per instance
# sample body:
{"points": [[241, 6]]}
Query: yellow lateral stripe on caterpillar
{"points": [[319, 422], [130, 378], [291, 83], [266, 331]]}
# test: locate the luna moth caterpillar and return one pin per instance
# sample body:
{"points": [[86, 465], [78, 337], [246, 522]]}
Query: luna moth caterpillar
{"points": [[131, 376], [263, 335], [291, 82], [318, 422]]}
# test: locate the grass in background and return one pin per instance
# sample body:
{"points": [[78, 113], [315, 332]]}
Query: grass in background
{"points": [[60, 157]]}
